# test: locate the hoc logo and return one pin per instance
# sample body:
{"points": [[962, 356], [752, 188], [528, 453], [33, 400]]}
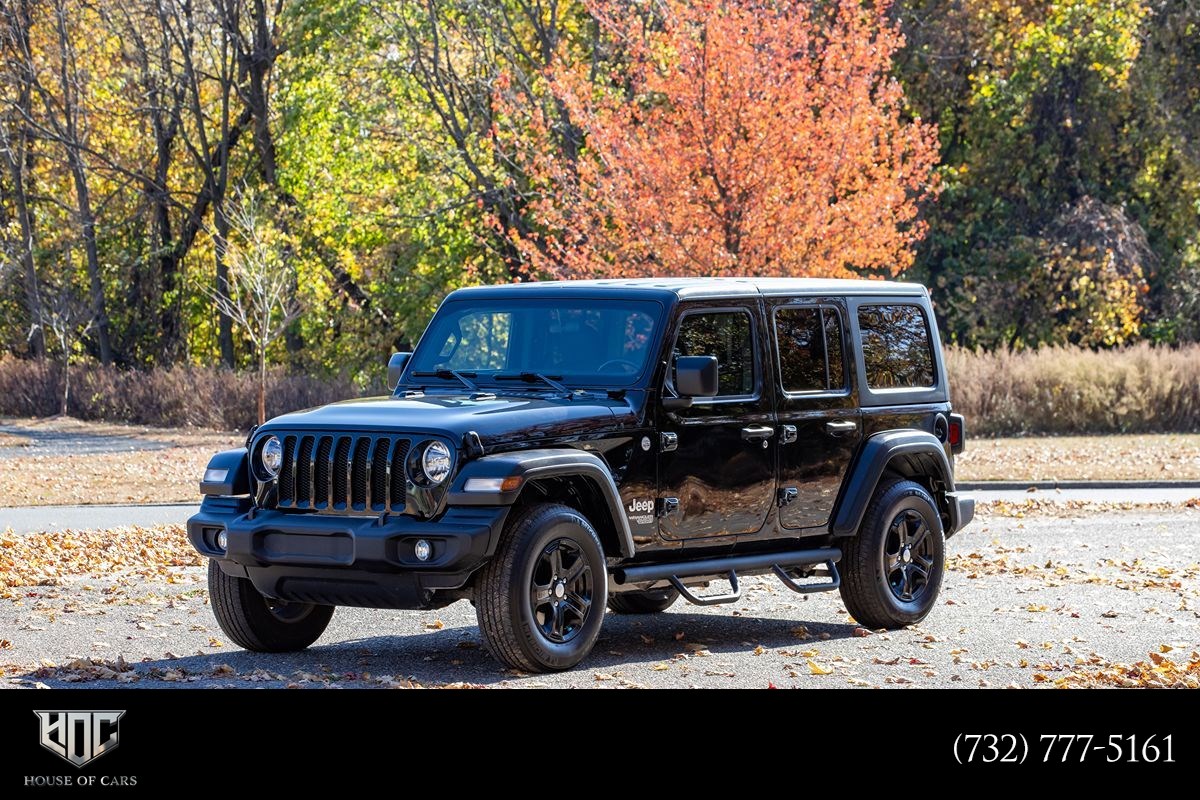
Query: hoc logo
{"points": [[79, 736]]}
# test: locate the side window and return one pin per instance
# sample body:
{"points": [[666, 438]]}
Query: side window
{"points": [[810, 349], [726, 335], [895, 342]]}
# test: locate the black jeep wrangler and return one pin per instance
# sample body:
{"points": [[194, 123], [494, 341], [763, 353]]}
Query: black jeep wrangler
{"points": [[553, 449]]}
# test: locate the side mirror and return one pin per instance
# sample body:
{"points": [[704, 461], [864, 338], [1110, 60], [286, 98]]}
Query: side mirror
{"points": [[695, 376], [396, 366]]}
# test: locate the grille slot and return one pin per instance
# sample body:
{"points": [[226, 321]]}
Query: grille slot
{"points": [[399, 454], [321, 473], [341, 458], [304, 487], [358, 474], [379, 476]]}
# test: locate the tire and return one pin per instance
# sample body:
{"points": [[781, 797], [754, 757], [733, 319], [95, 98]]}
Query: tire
{"points": [[651, 601], [258, 623], [533, 614], [881, 586]]}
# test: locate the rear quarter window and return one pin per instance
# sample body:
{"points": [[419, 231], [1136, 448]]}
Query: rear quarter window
{"points": [[896, 348]]}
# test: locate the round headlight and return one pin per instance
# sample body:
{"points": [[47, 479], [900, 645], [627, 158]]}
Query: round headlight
{"points": [[271, 456], [435, 463]]}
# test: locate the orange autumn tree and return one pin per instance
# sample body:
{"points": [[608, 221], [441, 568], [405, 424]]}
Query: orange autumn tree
{"points": [[740, 137]]}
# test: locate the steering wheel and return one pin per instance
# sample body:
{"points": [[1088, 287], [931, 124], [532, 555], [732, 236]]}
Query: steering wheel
{"points": [[627, 367]]}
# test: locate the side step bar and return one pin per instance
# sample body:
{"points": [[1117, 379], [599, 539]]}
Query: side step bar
{"points": [[779, 563]]}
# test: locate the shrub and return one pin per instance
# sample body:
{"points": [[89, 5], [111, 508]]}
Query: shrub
{"points": [[1139, 389], [201, 397]]}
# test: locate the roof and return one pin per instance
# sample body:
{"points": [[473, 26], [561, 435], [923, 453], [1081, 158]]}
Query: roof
{"points": [[688, 288]]}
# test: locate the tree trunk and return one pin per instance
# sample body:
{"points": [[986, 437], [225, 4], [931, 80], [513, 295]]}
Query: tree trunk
{"points": [[87, 222], [262, 384], [224, 322], [18, 159], [66, 383], [170, 318]]}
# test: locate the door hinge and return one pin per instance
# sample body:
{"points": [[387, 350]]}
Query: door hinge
{"points": [[788, 495], [667, 442], [788, 434], [667, 505]]}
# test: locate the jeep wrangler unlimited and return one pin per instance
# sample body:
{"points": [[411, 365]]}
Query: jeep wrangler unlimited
{"points": [[553, 449]]}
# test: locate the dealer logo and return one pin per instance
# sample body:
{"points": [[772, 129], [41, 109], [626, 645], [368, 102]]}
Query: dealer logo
{"points": [[79, 736]]}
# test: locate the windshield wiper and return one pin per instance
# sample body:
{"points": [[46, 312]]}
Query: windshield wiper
{"points": [[447, 374], [530, 377]]}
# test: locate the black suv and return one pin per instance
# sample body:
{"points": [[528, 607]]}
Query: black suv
{"points": [[553, 449]]}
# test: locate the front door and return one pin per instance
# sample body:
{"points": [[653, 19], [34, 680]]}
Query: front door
{"points": [[717, 458], [819, 423]]}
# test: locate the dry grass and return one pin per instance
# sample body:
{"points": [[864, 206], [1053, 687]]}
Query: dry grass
{"points": [[199, 397], [12, 440], [181, 437], [142, 476], [1071, 390], [1172, 456]]}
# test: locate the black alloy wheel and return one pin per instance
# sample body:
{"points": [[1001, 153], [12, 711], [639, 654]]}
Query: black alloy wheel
{"points": [[560, 594], [908, 555]]}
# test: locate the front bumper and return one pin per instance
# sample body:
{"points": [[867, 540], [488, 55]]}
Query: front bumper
{"points": [[346, 561]]}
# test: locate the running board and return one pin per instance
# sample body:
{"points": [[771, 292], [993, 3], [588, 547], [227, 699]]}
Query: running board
{"points": [[779, 563]]}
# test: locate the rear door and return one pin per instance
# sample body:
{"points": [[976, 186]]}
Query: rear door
{"points": [[820, 425], [717, 458]]}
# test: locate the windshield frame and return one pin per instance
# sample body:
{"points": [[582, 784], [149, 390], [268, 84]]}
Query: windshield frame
{"points": [[486, 382]]}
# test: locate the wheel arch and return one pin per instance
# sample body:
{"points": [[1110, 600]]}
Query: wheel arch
{"points": [[576, 478], [905, 454]]}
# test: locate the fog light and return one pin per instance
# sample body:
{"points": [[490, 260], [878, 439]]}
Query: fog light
{"points": [[223, 541], [422, 550]]}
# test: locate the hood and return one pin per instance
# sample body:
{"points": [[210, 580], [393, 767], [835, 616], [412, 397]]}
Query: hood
{"points": [[498, 421]]}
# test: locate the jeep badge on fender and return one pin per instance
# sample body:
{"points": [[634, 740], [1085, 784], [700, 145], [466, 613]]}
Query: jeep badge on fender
{"points": [[552, 450]]}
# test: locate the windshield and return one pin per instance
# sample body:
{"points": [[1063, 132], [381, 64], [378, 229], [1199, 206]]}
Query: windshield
{"points": [[579, 341]]}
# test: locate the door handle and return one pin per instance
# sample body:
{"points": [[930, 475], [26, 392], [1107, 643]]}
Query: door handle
{"points": [[840, 427], [757, 432]]}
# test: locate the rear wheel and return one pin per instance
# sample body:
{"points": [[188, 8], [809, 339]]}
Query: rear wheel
{"points": [[650, 601], [540, 600], [259, 623], [892, 570]]}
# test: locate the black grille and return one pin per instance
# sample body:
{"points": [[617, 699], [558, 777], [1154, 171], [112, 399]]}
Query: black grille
{"points": [[331, 473]]}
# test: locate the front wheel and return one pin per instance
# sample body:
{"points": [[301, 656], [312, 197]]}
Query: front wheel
{"points": [[892, 570], [540, 600], [257, 622]]}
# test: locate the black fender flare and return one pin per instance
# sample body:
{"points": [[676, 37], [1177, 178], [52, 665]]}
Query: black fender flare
{"points": [[236, 464], [909, 452], [530, 465]]}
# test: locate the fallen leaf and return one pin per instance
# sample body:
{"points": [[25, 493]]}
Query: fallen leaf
{"points": [[817, 669]]}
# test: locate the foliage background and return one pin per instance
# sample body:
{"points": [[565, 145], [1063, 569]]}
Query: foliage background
{"points": [[391, 135]]}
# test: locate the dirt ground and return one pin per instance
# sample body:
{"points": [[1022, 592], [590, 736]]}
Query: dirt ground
{"points": [[63, 461], [1169, 456]]}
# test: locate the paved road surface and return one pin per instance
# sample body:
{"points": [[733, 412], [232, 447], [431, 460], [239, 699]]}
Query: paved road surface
{"points": [[42, 442], [57, 518], [1022, 597]]}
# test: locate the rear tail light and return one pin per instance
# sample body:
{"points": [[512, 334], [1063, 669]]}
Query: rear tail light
{"points": [[957, 433]]}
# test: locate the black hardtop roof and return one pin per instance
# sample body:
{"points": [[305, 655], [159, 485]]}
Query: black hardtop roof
{"points": [[693, 288]]}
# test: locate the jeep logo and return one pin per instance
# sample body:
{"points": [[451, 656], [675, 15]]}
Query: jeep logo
{"points": [[640, 506]]}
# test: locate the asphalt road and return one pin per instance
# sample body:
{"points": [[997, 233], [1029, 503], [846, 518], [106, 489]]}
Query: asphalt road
{"points": [[57, 518], [1022, 598]]}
